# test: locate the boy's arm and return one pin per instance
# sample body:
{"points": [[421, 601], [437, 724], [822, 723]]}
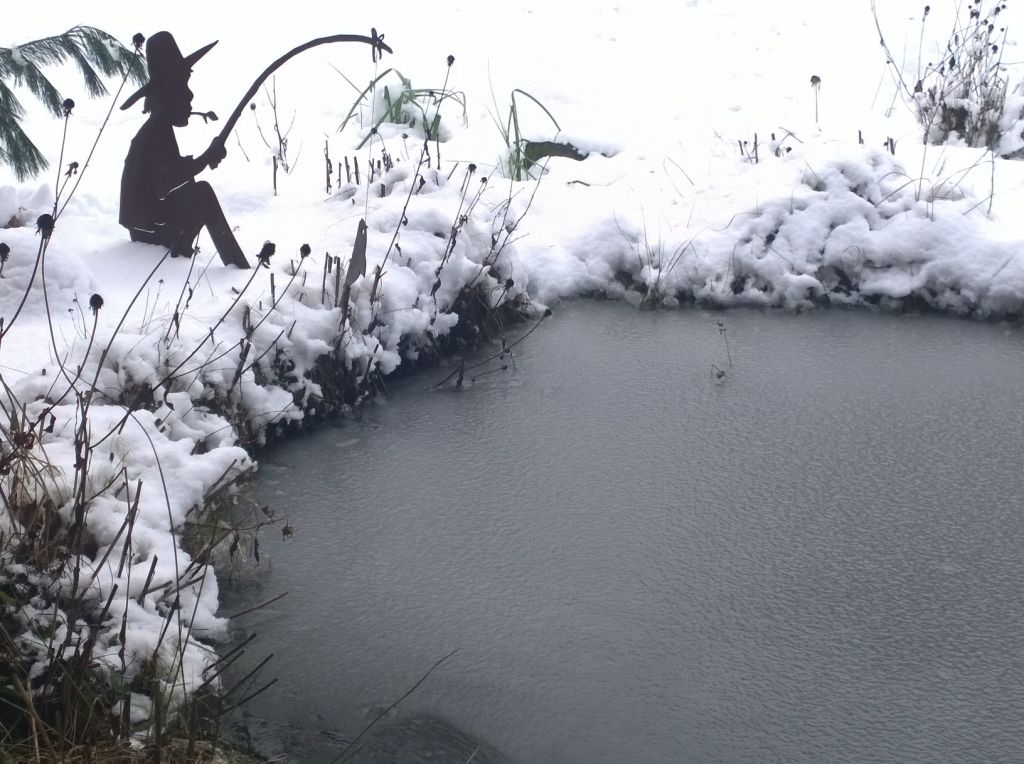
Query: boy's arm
{"points": [[168, 170]]}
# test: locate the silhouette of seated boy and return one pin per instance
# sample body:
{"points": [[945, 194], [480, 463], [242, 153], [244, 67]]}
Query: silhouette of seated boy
{"points": [[161, 201]]}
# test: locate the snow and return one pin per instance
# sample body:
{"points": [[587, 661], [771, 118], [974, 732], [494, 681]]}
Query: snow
{"points": [[664, 209]]}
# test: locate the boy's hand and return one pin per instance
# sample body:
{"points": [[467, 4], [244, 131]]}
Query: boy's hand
{"points": [[216, 152]]}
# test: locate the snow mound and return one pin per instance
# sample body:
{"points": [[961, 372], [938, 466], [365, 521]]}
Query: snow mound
{"points": [[851, 230]]}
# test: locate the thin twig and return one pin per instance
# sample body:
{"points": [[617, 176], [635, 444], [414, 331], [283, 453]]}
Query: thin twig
{"points": [[260, 606], [342, 756]]}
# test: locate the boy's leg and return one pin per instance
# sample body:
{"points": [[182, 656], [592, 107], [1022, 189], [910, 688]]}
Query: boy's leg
{"points": [[194, 206]]}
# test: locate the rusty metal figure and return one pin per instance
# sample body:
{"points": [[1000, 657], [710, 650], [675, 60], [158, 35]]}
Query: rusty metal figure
{"points": [[161, 201]]}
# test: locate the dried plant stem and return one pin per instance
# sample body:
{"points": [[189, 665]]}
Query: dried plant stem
{"points": [[343, 756]]}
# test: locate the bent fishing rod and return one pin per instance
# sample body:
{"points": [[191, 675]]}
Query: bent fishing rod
{"points": [[376, 41]]}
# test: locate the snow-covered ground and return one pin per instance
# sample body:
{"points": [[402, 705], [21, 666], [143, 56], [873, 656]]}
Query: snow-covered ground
{"points": [[666, 206]]}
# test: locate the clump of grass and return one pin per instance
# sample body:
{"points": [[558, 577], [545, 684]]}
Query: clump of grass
{"points": [[518, 162]]}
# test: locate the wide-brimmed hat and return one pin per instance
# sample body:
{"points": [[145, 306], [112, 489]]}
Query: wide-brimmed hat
{"points": [[165, 64]]}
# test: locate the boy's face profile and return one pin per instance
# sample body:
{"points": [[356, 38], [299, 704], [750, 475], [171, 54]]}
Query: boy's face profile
{"points": [[182, 106], [174, 103]]}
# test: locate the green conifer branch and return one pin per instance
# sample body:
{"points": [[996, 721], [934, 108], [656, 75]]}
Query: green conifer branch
{"points": [[95, 53]]}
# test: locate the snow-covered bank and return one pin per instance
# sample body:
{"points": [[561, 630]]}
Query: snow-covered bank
{"points": [[141, 407], [825, 223], [184, 362]]}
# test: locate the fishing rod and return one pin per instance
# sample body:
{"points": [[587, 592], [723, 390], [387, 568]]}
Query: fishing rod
{"points": [[375, 40]]}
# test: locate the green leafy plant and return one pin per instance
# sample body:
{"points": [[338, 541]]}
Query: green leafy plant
{"points": [[97, 55], [417, 108], [519, 162]]}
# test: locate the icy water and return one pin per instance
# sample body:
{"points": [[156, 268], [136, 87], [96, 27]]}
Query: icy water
{"points": [[819, 558]]}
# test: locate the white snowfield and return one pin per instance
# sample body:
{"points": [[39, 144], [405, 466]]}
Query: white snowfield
{"points": [[666, 209]]}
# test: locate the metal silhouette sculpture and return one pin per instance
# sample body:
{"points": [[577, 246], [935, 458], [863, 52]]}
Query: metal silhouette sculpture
{"points": [[161, 201]]}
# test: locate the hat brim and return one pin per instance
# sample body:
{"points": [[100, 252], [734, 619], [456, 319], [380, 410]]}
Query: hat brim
{"points": [[186, 63]]}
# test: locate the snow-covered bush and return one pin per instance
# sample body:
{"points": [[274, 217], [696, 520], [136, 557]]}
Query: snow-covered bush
{"points": [[965, 97]]}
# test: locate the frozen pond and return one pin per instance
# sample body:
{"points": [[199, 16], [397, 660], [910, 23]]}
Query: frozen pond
{"points": [[819, 558]]}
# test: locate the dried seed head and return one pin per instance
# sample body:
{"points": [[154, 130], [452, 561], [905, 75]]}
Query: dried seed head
{"points": [[95, 303], [509, 283], [451, 60], [68, 105], [304, 250], [44, 225], [138, 39], [252, 106], [5, 252], [815, 81], [268, 250]]}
